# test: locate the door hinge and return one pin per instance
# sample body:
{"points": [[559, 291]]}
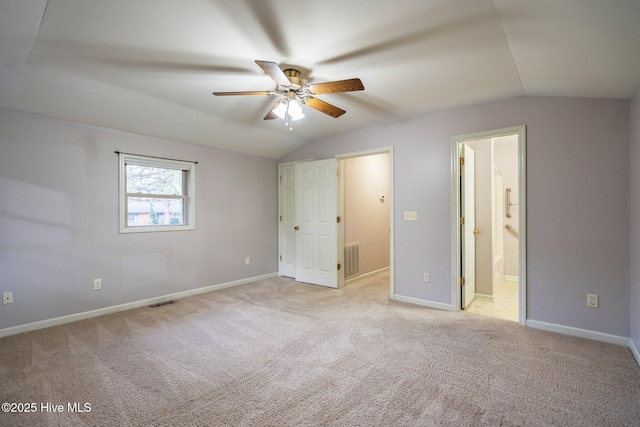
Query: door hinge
{"points": [[280, 217], [339, 266], [280, 178], [280, 257], [338, 219], [461, 220], [461, 161], [462, 281], [338, 172]]}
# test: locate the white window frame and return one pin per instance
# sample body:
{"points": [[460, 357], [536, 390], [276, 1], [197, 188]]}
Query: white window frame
{"points": [[190, 199]]}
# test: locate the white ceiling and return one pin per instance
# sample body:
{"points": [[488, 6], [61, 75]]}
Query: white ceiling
{"points": [[149, 66]]}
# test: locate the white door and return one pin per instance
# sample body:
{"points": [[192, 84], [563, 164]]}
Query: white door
{"points": [[468, 212], [286, 233], [316, 211]]}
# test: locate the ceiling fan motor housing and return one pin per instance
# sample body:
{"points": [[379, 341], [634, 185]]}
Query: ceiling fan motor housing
{"points": [[294, 77]]}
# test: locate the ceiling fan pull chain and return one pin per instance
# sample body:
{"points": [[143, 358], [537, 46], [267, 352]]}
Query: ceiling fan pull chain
{"points": [[287, 117]]}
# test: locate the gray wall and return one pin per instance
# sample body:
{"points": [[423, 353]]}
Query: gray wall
{"points": [[635, 219], [59, 220], [578, 202]]}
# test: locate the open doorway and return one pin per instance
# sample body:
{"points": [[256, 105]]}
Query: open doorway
{"points": [[372, 169], [489, 231], [365, 189]]}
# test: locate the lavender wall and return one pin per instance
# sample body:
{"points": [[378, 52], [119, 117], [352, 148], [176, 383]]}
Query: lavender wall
{"points": [[635, 221], [59, 220], [578, 202]]}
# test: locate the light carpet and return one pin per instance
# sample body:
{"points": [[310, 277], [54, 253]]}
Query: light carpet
{"points": [[281, 353]]}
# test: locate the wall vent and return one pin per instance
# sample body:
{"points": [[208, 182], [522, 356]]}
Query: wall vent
{"points": [[351, 260]]}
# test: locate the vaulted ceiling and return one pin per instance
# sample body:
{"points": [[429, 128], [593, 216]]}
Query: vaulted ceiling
{"points": [[150, 66]]}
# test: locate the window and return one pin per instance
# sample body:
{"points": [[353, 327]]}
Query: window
{"points": [[156, 194]]}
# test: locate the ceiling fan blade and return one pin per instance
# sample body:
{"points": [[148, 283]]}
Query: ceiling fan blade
{"points": [[255, 92], [273, 70], [337, 86], [271, 115], [323, 107]]}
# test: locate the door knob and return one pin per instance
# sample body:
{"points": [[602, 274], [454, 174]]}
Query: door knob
{"points": [[296, 228], [476, 231]]}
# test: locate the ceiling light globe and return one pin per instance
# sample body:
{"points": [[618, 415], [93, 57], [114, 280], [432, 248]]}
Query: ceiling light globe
{"points": [[295, 110]]}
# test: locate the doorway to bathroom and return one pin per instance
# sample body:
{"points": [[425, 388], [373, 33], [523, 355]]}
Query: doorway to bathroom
{"points": [[489, 216]]}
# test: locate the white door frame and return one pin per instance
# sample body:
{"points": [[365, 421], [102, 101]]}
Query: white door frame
{"points": [[468, 211], [522, 213], [390, 200]]}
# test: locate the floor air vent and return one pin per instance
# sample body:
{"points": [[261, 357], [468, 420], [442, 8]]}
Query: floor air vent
{"points": [[160, 304], [351, 260]]}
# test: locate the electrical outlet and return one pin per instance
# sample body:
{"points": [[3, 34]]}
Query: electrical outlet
{"points": [[592, 300], [247, 261], [97, 284], [427, 278], [7, 298]]}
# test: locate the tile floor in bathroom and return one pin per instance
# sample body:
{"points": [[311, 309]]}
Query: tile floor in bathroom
{"points": [[505, 305]]}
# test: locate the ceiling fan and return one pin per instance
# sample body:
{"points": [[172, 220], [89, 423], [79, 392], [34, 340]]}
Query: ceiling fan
{"points": [[292, 87]]}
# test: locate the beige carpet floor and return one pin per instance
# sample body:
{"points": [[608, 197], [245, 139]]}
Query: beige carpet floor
{"points": [[281, 353]]}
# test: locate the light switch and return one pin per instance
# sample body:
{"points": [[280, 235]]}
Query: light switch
{"points": [[410, 215]]}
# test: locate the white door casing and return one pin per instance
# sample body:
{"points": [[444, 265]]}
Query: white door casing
{"points": [[468, 228], [286, 233], [316, 211]]}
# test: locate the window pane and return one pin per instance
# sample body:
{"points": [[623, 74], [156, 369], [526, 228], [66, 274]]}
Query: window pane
{"points": [[147, 211], [156, 194], [151, 180]]}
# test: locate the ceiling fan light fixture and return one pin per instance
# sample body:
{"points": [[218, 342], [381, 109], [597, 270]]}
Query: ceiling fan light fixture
{"points": [[295, 111], [281, 109], [289, 110]]}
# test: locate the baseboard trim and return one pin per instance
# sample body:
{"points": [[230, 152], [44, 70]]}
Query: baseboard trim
{"points": [[351, 279], [634, 351], [424, 303], [577, 332], [485, 297], [127, 306], [511, 278]]}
